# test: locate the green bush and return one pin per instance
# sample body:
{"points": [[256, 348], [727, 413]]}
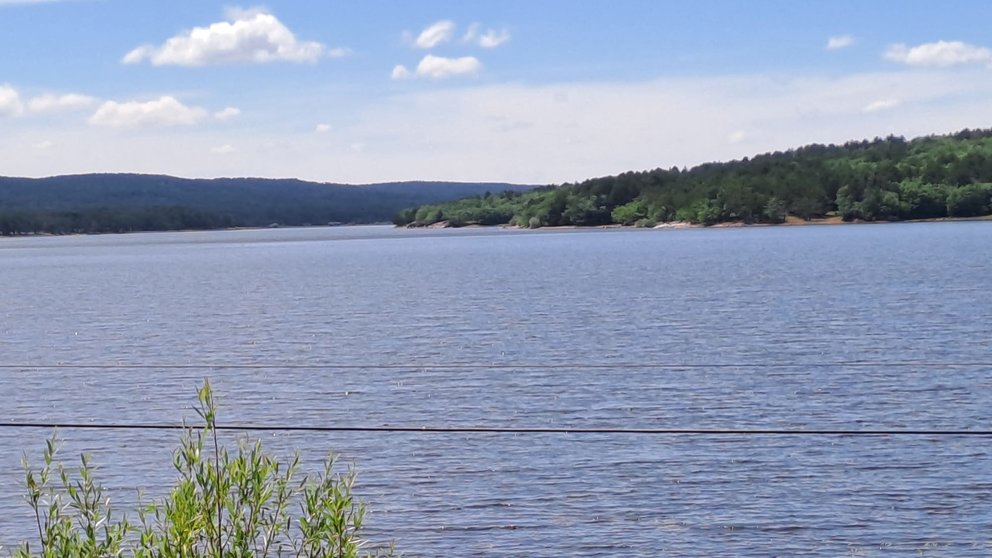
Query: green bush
{"points": [[224, 504]]}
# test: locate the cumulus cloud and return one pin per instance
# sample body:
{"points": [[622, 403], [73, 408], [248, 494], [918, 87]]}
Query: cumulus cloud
{"points": [[882, 104], [247, 37], [400, 72], [223, 149], [940, 54], [435, 34], [493, 38], [228, 113], [10, 101], [322, 128], [50, 102], [441, 67], [164, 111], [839, 41]]}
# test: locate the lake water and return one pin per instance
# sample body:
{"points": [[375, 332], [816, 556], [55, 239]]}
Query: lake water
{"points": [[699, 328]]}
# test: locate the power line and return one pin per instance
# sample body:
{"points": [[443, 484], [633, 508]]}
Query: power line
{"points": [[501, 430], [511, 430], [493, 366]]}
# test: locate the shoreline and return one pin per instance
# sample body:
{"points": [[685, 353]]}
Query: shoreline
{"points": [[790, 221], [676, 225], [232, 229]]}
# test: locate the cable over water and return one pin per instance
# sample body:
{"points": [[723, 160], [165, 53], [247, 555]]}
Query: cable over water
{"points": [[494, 366], [510, 430]]}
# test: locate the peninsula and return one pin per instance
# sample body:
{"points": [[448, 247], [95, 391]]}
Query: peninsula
{"points": [[885, 179]]}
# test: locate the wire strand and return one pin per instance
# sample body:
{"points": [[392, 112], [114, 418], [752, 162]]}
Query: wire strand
{"points": [[492, 366], [500, 430], [512, 430]]}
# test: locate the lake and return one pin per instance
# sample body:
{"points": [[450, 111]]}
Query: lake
{"points": [[825, 327]]}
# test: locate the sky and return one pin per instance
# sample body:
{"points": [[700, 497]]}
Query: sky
{"points": [[525, 91]]}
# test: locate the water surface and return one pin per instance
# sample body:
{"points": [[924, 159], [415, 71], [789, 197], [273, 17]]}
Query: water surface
{"points": [[700, 328]]}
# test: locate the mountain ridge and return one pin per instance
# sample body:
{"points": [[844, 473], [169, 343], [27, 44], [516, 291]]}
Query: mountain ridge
{"points": [[123, 202]]}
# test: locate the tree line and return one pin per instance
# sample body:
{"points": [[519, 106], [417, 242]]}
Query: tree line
{"points": [[113, 203], [882, 179], [110, 220]]}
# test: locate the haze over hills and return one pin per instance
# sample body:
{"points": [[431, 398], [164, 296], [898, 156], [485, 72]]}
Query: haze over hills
{"points": [[137, 202]]}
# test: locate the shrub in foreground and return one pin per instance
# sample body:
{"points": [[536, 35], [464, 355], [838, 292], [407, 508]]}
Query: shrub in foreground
{"points": [[240, 503]]}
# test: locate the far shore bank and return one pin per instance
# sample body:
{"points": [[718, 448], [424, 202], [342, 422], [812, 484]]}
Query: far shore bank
{"points": [[790, 221]]}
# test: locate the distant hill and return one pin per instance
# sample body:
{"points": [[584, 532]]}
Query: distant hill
{"points": [[138, 202], [885, 179]]}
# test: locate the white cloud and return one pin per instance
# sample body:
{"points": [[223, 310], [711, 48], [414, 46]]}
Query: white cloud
{"points": [[493, 38], [440, 67], [339, 52], [435, 34], [737, 136], [247, 37], [44, 144], [229, 113], [939, 54], [11, 104], [322, 128], [839, 42], [400, 72], [223, 149], [50, 102], [882, 104], [165, 111], [138, 54], [10, 101], [471, 34]]}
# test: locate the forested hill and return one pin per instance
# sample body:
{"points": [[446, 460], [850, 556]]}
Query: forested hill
{"points": [[136, 202], [883, 179]]}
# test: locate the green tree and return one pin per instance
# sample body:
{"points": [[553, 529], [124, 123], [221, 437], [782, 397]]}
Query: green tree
{"points": [[848, 205], [923, 201], [630, 213], [969, 201], [703, 212], [585, 211], [774, 211]]}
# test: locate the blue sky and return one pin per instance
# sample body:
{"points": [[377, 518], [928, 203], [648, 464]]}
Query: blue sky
{"points": [[526, 91]]}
